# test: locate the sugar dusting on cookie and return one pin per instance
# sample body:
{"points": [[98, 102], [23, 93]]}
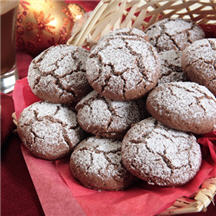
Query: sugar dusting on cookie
{"points": [[184, 106], [96, 163], [106, 118], [119, 68], [199, 63], [168, 34], [58, 74], [160, 155], [49, 131]]}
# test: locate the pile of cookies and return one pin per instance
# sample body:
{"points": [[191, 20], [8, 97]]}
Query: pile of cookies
{"points": [[125, 110]]}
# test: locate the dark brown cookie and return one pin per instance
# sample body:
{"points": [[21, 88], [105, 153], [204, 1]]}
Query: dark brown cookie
{"points": [[159, 155], [123, 67], [106, 118], [185, 106], [168, 34], [49, 131], [58, 74], [171, 70], [96, 163], [199, 63]]}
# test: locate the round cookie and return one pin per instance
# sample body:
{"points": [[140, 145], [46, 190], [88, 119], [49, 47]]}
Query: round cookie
{"points": [[185, 106], [58, 74], [171, 70], [168, 34], [127, 33], [123, 67], [96, 163], [159, 155], [199, 63], [49, 131], [106, 118]]}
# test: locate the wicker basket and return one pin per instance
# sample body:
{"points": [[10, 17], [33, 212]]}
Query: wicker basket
{"points": [[114, 14]]}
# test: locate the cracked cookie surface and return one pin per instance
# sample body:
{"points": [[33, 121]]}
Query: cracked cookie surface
{"points": [[58, 74], [171, 70], [49, 131], [159, 155], [177, 34], [199, 63], [123, 66], [185, 106], [127, 33], [106, 118], [96, 163]]}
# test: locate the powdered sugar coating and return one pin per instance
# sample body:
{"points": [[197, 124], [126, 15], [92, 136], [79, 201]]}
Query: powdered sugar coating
{"points": [[168, 34], [171, 70], [127, 33], [159, 155], [123, 67], [96, 163], [199, 63], [184, 106], [49, 131], [106, 118], [58, 74]]}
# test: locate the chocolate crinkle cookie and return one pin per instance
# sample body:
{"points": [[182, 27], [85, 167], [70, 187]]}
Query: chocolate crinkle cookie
{"points": [[199, 63], [106, 118], [170, 37], [96, 163], [171, 70], [185, 106], [58, 74], [123, 67], [168, 34], [127, 33], [49, 131], [159, 155]]}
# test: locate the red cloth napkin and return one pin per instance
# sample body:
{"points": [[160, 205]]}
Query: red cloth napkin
{"points": [[18, 195], [139, 200]]}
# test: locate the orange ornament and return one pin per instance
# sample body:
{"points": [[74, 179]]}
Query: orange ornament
{"points": [[43, 23]]}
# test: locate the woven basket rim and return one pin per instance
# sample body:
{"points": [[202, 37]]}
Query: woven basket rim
{"points": [[100, 20]]}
